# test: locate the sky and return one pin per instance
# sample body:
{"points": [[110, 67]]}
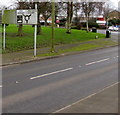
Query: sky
{"points": [[10, 2]]}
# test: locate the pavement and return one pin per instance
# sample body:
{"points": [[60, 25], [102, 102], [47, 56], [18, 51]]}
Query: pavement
{"points": [[27, 55], [104, 101]]}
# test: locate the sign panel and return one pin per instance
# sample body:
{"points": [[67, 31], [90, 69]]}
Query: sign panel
{"points": [[9, 17], [27, 16], [0, 16]]}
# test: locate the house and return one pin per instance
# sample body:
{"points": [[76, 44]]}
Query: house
{"points": [[114, 15]]}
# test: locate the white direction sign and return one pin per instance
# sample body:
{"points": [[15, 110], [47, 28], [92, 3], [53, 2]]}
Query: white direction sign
{"points": [[27, 16]]}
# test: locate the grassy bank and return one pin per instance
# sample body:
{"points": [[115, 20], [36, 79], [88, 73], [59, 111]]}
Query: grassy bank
{"points": [[83, 47], [15, 43]]}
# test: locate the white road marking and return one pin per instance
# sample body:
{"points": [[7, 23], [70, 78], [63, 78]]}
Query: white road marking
{"points": [[0, 86], [97, 61], [85, 98], [116, 56], [51, 73], [16, 82]]}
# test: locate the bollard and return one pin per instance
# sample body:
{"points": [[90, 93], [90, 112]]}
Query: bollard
{"points": [[108, 33], [94, 29]]}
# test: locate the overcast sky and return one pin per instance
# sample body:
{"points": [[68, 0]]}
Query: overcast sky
{"points": [[9, 2]]}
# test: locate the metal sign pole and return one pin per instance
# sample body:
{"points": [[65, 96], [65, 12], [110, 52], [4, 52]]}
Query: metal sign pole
{"points": [[4, 31], [35, 34]]}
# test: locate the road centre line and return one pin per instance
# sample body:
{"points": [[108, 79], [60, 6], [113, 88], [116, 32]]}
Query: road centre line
{"points": [[51, 73], [80, 66], [57, 111], [97, 61]]}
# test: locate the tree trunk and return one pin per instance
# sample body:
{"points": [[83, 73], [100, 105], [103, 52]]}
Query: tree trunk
{"points": [[20, 33], [20, 27], [87, 26], [45, 22], [69, 17], [38, 26]]}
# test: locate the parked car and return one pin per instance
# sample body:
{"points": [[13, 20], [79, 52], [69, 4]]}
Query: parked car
{"points": [[112, 28]]}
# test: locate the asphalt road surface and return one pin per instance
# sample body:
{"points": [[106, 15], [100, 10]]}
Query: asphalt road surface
{"points": [[48, 85], [112, 32]]}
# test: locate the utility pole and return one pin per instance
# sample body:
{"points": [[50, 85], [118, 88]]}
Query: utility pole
{"points": [[53, 21]]}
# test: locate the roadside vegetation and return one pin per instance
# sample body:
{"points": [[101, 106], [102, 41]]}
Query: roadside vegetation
{"points": [[96, 44], [15, 43]]}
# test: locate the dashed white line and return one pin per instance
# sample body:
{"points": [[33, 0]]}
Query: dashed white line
{"points": [[51, 73], [97, 61], [115, 57], [16, 82], [0, 86], [79, 66], [85, 98]]}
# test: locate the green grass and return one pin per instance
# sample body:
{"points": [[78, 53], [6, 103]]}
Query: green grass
{"points": [[83, 47], [14, 43]]}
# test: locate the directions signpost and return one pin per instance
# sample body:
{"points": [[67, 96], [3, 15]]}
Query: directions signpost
{"points": [[0, 16], [25, 17]]}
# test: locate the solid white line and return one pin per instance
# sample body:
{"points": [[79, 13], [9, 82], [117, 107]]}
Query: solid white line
{"points": [[97, 61], [85, 98], [51, 73]]}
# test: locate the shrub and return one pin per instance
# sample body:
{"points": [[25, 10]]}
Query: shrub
{"points": [[93, 24], [90, 24], [62, 22]]}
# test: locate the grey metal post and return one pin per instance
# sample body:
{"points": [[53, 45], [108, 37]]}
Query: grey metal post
{"points": [[35, 34], [4, 31]]}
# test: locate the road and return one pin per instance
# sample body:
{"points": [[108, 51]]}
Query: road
{"points": [[114, 34], [48, 85]]}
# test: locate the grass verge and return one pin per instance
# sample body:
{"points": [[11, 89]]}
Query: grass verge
{"points": [[15, 43], [83, 47]]}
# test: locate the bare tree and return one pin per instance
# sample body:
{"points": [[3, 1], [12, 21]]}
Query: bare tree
{"points": [[47, 11], [91, 9], [107, 8], [69, 16], [88, 8], [21, 5], [76, 10]]}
